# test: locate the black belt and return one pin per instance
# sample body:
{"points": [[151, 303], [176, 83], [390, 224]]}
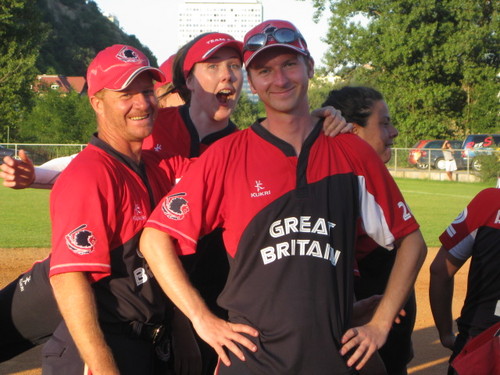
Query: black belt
{"points": [[146, 331]]}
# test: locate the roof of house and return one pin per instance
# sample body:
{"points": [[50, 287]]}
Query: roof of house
{"points": [[61, 83]]}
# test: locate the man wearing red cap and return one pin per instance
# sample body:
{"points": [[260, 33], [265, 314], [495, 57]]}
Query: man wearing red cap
{"points": [[288, 200], [113, 309]]}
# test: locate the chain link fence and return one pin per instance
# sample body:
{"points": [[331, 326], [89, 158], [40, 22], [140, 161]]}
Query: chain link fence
{"points": [[472, 165]]}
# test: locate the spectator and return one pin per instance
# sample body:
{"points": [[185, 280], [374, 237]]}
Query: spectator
{"points": [[450, 163]]}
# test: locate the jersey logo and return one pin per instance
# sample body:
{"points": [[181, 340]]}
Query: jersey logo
{"points": [[451, 231], [157, 147], [81, 241], [259, 187], [138, 213], [175, 207]]}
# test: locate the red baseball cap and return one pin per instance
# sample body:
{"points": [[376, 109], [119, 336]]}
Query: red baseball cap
{"points": [[206, 46], [272, 33], [115, 67], [166, 68]]}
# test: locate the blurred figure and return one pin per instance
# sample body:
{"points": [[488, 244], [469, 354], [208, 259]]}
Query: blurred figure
{"points": [[474, 234], [450, 163], [165, 91]]}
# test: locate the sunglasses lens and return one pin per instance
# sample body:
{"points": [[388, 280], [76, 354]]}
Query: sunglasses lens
{"points": [[255, 42], [285, 36]]}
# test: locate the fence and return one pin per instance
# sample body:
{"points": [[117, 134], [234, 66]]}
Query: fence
{"points": [[428, 163]]}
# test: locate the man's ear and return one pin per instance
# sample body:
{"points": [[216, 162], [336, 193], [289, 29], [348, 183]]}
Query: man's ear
{"points": [[249, 79], [310, 67], [355, 128], [97, 104]]}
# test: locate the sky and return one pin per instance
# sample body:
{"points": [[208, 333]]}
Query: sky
{"points": [[154, 22]]}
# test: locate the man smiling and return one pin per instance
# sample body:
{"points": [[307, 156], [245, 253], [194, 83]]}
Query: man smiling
{"points": [[291, 315]]}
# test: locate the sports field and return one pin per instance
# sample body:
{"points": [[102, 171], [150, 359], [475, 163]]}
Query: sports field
{"points": [[24, 214], [25, 237]]}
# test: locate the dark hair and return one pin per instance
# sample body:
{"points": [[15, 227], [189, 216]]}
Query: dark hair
{"points": [[178, 79], [355, 103]]}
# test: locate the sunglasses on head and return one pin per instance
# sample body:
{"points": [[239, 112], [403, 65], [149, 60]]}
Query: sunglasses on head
{"points": [[284, 35]]}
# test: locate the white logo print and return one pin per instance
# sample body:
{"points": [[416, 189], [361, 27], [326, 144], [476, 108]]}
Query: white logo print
{"points": [[23, 282], [157, 148], [259, 186], [138, 213]]}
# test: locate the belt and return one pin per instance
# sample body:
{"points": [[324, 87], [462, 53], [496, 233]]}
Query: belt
{"points": [[146, 331]]}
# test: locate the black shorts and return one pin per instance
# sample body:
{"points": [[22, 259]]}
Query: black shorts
{"points": [[133, 355], [28, 312]]}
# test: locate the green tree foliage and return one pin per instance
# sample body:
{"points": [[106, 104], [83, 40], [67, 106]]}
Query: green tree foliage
{"points": [[59, 118], [20, 35], [246, 112], [436, 62], [77, 31]]}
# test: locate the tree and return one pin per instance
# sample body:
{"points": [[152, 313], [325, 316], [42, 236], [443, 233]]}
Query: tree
{"points": [[59, 118], [435, 61], [246, 112], [21, 33]]}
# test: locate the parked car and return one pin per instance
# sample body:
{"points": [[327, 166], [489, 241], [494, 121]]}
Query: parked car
{"points": [[433, 151], [4, 151], [479, 144], [416, 152], [425, 149]]}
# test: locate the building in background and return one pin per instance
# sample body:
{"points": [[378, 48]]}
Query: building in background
{"points": [[234, 17], [60, 83]]}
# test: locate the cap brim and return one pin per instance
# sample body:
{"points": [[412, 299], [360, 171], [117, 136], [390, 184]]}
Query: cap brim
{"points": [[156, 73], [289, 46], [235, 44]]}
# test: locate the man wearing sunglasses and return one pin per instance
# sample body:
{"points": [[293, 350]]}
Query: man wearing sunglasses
{"points": [[288, 200]]}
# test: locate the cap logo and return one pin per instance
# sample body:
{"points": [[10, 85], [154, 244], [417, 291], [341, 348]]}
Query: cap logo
{"points": [[128, 55], [216, 40]]}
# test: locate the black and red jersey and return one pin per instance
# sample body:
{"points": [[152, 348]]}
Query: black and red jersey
{"points": [[289, 226], [174, 133], [475, 233], [98, 208]]}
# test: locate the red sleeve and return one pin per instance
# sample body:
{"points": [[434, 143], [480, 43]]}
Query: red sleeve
{"points": [[80, 206], [483, 210], [194, 204]]}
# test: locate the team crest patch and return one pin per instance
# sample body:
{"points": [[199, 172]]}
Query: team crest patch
{"points": [[81, 241], [175, 206], [127, 54]]}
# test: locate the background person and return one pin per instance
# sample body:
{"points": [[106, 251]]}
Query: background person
{"points": [[450, 162], [299, 300], [367, 110], [475, 235]]}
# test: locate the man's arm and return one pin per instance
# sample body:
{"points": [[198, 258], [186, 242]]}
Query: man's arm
{"points": [[443, 269], [21, 174], [370, 337], [76, 302], [334, 123], [159, 251]]}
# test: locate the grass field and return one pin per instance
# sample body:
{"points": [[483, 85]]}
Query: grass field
{"points": [[24, 214]]}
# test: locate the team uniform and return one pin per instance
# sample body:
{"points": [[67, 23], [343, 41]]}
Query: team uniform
{"points": [[28, 310], [98, 208], [475, 234], [175, 134], [374, 266], [289, 229]]}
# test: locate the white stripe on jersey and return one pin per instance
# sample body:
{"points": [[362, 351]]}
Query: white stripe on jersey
{"points": [[463, 249], [374, 221]]}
